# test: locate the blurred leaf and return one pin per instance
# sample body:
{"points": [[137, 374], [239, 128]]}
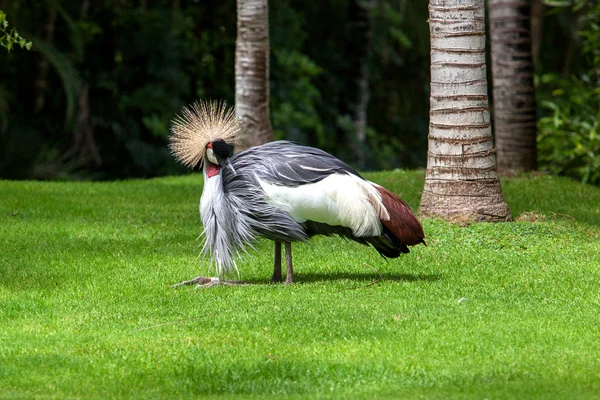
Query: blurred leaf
{"points": [[558, 3]]}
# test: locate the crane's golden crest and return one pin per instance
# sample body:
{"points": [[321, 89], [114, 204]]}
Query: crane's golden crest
{"points": [[197, 126]]}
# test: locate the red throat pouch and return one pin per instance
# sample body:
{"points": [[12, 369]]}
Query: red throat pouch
{"points": [[212, 169]]}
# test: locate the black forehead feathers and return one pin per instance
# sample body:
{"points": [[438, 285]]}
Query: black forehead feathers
{"points": [[221, 148]]}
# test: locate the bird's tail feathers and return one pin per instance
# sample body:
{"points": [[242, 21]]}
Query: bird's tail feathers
{"points": [[402, 222], [387, 245]]}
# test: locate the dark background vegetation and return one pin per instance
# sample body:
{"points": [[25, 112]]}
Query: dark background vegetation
{"points": [[95, 98]]}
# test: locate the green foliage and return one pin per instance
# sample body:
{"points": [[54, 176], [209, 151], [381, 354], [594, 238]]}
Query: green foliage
{"points": [[294, 104], [399, 79], [314, 67], [484, 311], [591, 37], [110, 75], [10, 38], [138, 68], [569, 137]]}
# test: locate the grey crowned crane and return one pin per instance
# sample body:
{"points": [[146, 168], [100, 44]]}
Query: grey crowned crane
{"points": [[281, 191]]}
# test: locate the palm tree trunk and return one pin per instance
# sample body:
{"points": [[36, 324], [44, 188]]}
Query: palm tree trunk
{"points": [[461, 182], [512, 82], [252, 72]]}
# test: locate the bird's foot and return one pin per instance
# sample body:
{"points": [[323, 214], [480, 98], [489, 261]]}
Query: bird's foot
{"points": [[199, 280], [279, 279], [208, 281]]}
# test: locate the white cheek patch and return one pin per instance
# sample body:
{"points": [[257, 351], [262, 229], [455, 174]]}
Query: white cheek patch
{"points": [[210, 154]]}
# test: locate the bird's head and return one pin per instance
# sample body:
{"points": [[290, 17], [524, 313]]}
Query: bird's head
{"points": [[217, 154], [205, 129]]}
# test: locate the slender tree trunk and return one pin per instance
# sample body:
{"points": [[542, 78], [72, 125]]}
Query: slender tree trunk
{"points": [[461, 182], [83, 148], [360, 42], [573, 43], [252, 72], [360, 116], [515, 122], [538, 9], [39, 86], [176, 6], [85, 7]]}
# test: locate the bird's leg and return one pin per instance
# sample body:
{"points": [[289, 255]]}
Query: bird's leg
{"points": [[289, 272], [277, 263]]}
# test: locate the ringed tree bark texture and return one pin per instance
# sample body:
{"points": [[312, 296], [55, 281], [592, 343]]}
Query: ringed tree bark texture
{"points": [[515, 119], [252, 73], [461, 182]]}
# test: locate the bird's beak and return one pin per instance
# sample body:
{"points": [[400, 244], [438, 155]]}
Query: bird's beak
{"points": [[227, 164]]}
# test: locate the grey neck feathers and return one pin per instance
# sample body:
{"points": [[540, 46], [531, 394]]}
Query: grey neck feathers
{"points": [[226, 231]]}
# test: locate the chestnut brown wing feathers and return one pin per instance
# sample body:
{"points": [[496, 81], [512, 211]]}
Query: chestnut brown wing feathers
{"points": [[402, 223]]}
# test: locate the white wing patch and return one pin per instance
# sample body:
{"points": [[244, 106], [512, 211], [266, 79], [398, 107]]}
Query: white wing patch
{"points": [[375, 197], [338, 200]]}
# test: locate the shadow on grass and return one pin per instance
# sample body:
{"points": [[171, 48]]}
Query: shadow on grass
{"points": [[365, 276], [301, 278]]}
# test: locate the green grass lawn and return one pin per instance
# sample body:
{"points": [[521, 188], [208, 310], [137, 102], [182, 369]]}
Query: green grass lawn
{"points": [[491, 311]]}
